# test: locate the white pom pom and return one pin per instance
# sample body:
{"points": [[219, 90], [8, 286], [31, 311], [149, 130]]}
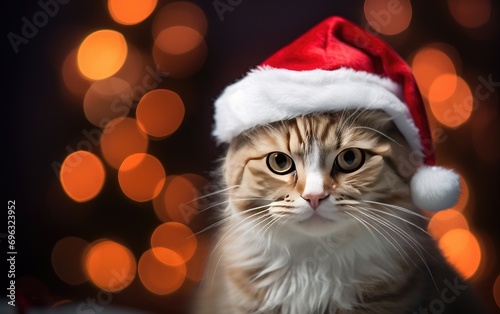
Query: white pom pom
{"points": [[435, 188]]}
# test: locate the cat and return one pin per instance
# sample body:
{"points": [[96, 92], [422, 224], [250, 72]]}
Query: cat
{"points": [[319, 219]]}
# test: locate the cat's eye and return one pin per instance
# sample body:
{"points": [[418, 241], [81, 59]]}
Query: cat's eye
{"points": [[280, 163], [349, 160]]}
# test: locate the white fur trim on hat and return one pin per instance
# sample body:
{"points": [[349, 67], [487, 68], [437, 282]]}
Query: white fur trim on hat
{"points": [[267, 95], [434, 188]]}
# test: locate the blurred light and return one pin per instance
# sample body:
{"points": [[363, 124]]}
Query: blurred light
{"points": [[197, 264], [102, 54], [67, 258], [442, 87], [141, 177], [160, 112], [446, 220], [429, 63], [178, 40], [461, 249], [176, 237], [180, 13], [179, 199], [120, 139], [470, 13], [183, 199], [463, 199], [179, 51], [82, 175], [130, 12], [107, 99], [110, 265], [496, 290], [73, 80], [132, 70], [160, 278], [488, 263], [167, 256], [454, 110], [387, 16], [159, 202]]}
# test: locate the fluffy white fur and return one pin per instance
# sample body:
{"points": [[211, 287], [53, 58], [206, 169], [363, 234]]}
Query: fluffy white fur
{"points": [[309, 272], [267, 95], [435, 188]]}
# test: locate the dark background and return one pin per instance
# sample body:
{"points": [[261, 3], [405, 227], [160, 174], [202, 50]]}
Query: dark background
{"points": [[40, 121]]}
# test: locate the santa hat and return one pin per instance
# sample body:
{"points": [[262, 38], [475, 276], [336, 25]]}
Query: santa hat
{"points": [[336, 66]]}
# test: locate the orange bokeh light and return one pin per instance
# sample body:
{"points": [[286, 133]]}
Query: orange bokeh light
{"points": [[461, 249], [180, 13], [107, 99], [134, 70], [463, 199], [176, 237], [73, 80], [82, 175], [429, 63], [470, 13], [141, 177], [197, 264], [454, 110], [177, 40], [102, 54], [167, 256], [110, 265], [496, 291], [179, 199], [130, 12], [179, 51], [446, 220], [443, 87], [160, 278], [160, 112], [388, 17], [67, 259], [120, 139]]}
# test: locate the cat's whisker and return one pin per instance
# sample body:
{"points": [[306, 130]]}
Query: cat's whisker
{"points": [[347, 202], [212, 194], [271, 219], [390, 226], [394, 242], [405, 210], [367, 225], [239, 223], [414, 244], [230, 232], [406, 221], [283, 221], [348, 122], [235, 200], [218, 223]]}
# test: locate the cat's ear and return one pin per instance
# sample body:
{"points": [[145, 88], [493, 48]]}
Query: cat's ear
{"points": [[435, 188]]}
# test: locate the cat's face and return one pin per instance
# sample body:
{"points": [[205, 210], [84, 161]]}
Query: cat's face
{"points": [[319, 174]]}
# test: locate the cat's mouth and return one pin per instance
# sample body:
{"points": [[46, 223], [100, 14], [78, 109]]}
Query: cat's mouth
{"points": [[316, 224], [315, 217]]}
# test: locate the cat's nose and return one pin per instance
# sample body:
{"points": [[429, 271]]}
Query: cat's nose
{"points": [[314, 199]]}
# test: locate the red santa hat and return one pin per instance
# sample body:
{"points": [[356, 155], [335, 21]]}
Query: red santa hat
{"points": [[336, 66]]}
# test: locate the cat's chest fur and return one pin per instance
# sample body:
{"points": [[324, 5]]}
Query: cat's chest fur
{"points": [[321, 274]]}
